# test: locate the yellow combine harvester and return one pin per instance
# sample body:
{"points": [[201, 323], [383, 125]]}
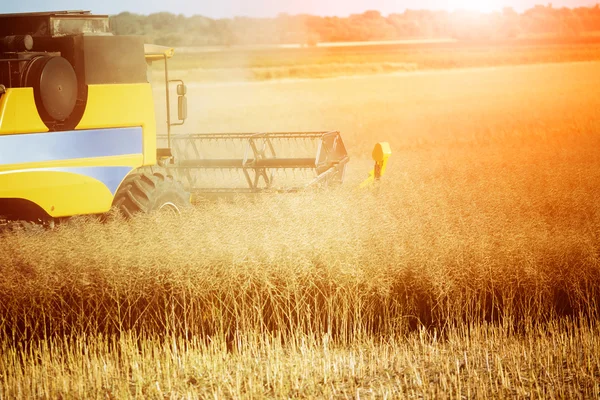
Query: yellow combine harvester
{"points": [[78, 131]]}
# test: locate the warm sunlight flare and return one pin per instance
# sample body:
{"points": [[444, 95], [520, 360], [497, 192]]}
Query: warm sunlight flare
{"points": [[475, 5], [300, 199]]}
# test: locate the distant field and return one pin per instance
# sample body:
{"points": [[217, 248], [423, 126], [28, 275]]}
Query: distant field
{"points": [[257, 64], [211, 49], [472, 271]]}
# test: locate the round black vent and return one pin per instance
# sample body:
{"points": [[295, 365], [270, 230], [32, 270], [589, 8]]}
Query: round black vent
{"points": [[54, 84]]}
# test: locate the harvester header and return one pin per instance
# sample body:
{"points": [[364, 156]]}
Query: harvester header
{"points": [[210, 164]]}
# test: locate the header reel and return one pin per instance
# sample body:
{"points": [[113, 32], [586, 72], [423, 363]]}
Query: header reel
{"points": [[214, 164]]}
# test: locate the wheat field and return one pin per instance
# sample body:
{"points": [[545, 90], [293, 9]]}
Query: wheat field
{"points": [[264, 64], [471, 271]]}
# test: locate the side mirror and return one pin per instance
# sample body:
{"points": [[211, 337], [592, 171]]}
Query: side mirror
{"points": [[182, 106], [182, 109]]}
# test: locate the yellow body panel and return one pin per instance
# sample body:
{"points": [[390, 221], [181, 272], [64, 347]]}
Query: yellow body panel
{"points": [[63, 172], [121, 106], [63, 193], [60, 194], [18, 113]]}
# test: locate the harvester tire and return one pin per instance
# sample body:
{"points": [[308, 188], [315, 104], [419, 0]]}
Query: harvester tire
{"points": [[151, 190]]}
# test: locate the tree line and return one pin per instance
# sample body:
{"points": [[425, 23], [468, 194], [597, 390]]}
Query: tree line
{"points": [[178, 30]]}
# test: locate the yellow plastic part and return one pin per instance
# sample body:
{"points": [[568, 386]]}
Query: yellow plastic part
{"points": [[123, 106], [155, 52], [18, 113], [381, 155]]}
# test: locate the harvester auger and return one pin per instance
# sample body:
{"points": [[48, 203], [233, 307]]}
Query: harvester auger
{"points": [[78, 130]]}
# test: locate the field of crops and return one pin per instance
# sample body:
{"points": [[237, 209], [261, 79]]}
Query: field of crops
{"points": [[272, 63], [472, 270]]}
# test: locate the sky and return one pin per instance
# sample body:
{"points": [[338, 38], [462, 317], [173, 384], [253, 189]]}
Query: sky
{"points": [[269, 8]]}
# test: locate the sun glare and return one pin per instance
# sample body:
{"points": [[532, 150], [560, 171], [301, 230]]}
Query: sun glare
{"points": [[475, 5]]}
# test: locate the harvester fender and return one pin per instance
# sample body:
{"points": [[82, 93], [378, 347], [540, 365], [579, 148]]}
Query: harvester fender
{"points": [[381, 155]]}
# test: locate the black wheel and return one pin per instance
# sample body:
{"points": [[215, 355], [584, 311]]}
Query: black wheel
{"points": [[151, 190]]}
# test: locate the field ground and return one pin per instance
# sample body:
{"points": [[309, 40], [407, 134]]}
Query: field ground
{"points": [[239, 64], [405, 42], [472, 271], [431, 111], [560, 361]]}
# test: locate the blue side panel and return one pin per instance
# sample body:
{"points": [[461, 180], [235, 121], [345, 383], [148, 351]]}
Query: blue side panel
{"points": [[54, 146], [110, 176]]}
